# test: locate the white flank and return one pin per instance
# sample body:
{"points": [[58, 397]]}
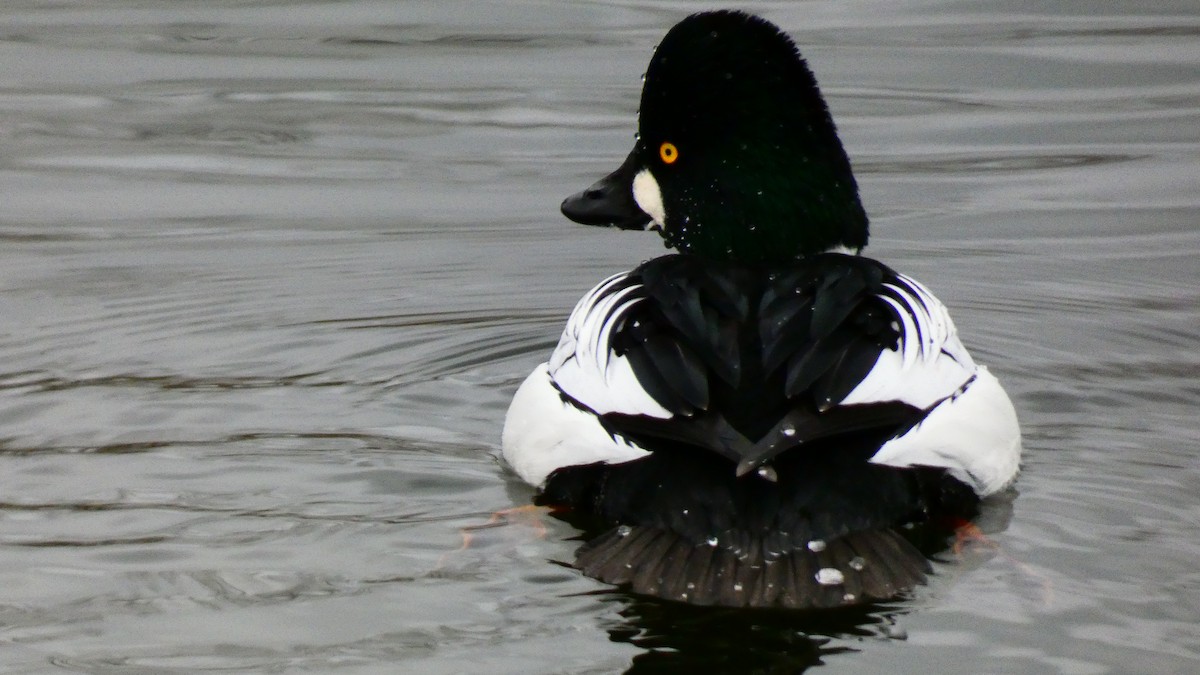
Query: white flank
{"points": [[974, 435], [649, 197], [971, 429], [543, 433]]}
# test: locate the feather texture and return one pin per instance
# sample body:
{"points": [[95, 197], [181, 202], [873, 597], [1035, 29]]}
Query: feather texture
{"points": [[748, 364], [713, 420]]}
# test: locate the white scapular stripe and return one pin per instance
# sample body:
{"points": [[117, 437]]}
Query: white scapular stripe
{"points": [[584, 366], [930, 362], [971, 429], [543, 433], [974, 435]]}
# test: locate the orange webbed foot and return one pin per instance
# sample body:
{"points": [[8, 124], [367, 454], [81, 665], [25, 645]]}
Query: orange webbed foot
{"points": [[968, 537], [530, 516]]}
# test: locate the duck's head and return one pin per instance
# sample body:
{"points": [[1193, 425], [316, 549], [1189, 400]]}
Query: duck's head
{"points": [[736, 156]]}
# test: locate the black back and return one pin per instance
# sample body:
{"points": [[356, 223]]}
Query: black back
{"points": [[752, 362]]}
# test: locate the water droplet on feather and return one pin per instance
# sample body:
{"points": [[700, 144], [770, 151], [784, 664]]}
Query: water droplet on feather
{"points": [[830, 576]]}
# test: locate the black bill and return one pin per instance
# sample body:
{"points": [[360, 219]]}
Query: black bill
{"points": [[609, 202]]}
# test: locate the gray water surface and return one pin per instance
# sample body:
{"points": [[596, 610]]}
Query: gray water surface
{"points": [[270, 272]]}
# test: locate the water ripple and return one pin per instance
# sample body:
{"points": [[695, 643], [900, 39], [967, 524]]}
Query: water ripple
{"points": [[271, 271]]}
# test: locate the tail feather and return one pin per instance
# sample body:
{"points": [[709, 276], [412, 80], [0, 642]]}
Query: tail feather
{"points": [[704, 587], [853, 569], [609, 562], [902, 560], [875, 579]]}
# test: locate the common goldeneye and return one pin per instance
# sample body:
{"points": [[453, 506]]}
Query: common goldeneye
{"points": [[765, 418]]}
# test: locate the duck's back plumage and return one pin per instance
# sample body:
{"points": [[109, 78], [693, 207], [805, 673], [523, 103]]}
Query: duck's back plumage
{"points": [[745, 410], [749, 362]]}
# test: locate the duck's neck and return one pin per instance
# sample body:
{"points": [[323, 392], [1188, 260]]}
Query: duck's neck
{"points": [[747, 243]]}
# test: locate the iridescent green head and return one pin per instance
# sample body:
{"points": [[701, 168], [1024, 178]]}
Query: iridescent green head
{"points": [[737, 157]]}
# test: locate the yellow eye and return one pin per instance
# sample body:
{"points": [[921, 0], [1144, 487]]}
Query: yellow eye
{"points": [[668, 152]]}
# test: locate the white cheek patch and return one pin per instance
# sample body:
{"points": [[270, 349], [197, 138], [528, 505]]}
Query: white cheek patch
{"points": [[649, 197], [844, 250]]}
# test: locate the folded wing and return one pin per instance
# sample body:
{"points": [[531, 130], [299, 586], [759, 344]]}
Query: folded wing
{"points": [[750, 364]]}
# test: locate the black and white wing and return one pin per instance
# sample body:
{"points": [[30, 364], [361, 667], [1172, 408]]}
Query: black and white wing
{"points": [[587, 367], [929, 362], [555, 418], [750, 364]]}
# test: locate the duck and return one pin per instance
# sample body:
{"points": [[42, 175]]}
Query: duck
{"points": [[764, 417]]}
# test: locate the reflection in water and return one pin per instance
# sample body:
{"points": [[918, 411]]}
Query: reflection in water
{"points": [[681, 638]]}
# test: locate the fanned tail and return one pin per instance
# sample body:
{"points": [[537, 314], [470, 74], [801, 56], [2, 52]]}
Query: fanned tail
{"points": [[852, 569]]}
